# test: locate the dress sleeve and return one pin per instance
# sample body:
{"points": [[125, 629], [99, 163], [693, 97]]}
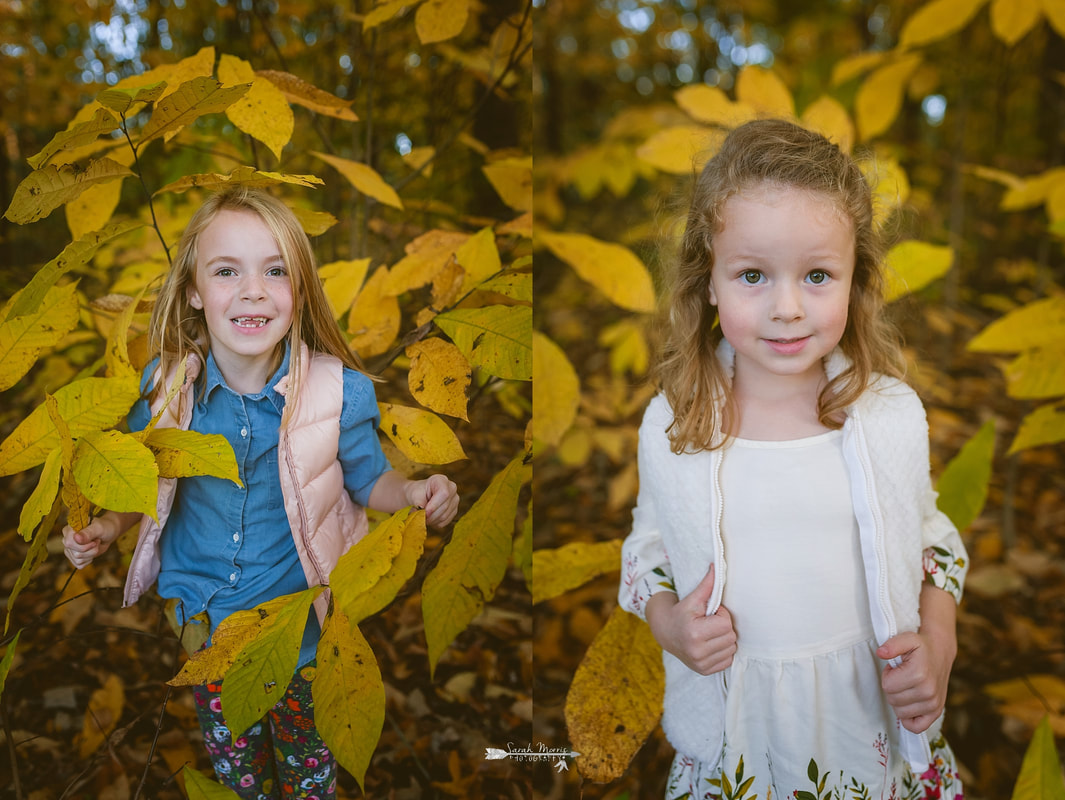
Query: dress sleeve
{"points": [[945, 560], [361, 456], [645, 568]]}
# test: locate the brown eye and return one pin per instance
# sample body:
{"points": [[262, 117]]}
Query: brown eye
{"points": [[817, 277], [751, 277]]}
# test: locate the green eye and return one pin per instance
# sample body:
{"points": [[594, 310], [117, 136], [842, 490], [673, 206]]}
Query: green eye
{"points": [[752, 276], [817, 277]]}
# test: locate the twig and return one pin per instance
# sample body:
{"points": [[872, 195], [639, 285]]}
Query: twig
{"points": [[417, 761], [155, 741], [10, 748], [147, 193]]}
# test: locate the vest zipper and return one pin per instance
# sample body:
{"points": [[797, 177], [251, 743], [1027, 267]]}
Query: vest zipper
{"points": [[304, 524]]}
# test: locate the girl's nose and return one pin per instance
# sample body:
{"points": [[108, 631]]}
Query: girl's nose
{"points": [[251, 288], [787, 304]]}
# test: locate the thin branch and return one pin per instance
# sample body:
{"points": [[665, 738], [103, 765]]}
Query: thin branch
{"points": [[147, 193], [10, 747]]}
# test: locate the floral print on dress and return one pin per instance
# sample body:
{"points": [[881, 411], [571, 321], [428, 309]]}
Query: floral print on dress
{"points": [[943, 568]]}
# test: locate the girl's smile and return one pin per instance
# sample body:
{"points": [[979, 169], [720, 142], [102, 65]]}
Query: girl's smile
{"points": [[242, 286], [781, 277]]}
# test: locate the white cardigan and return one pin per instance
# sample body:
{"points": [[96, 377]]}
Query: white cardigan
{"points": [[678, 511]]}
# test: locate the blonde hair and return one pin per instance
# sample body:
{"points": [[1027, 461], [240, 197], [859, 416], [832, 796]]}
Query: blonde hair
{"points": [[777, 153], [177, 329]]}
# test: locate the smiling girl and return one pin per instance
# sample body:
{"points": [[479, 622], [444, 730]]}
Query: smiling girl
{"points": [[785, 517], [267, 367]]}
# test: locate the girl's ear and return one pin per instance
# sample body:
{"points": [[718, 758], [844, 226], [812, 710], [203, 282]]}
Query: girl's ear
{"points": [[193, 297], [710, 292]]}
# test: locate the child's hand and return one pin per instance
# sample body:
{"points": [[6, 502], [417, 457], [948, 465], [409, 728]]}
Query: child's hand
{"points": [[917, 688], [438, 496], [81, 547], [706, 644]]}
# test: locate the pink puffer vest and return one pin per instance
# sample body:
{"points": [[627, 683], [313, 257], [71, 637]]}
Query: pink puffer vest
{"points": [[325, 521]]}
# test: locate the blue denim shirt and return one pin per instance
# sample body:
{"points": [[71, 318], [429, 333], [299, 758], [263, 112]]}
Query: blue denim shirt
{"points": [[226, 548]]}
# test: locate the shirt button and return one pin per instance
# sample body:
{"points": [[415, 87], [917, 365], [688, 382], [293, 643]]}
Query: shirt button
{"points": [[236, 537], [244, 432], [232, 577]]}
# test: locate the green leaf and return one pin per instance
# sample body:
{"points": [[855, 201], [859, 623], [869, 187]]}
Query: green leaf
{"points": [[556, 391], [87, 404], [81, 133], [349, 695], [368, 577], [1045, 425], [1040, 775], [811, 771], [5, 664], [120, 100], [571, 566], [189, 102], [963, 485], [182, 454], [43, 495], [473, 562], [523, 549], [74, 255], [496, 338], [913, 265], [612, 268], [23, 338], [44, 190], [200, 787], [1034, 325], [116, 472], [35, 556], [263, 670]]}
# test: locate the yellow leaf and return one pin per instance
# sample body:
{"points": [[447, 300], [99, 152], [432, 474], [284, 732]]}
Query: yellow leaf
{"points": [[1055, 203], [420, 435], [298, 91], [373, 320], [496, 338], [229, 638], [1029, 697], [314, 223], [8, 660], [613, 269], [1055, 13], [826, 116], [86, 404], [710, 105], [263, 112], [341, 281], [383, 591], [440, 20], [558, 571], [1012, 19], [116, 472], [913, 265], [1038, 373], [43, 495], [364, 178], [556, 391], [682, 149], [44, 190], [181, 454], [105, 709], [92, 209], [349, 695], [853, 66], [937, 20], [512, 180], [891, 186], [368, 560], [190, 101], [999, 176], [439, 376], [383, 12], [515, 285], [473, 562], [77, 134], [1045, 425], [425, 257], [200, 65], [117, 354], [35, 556], [1040, 776], [879, 98], [262, 670], [1034, 325], [764, 91], [615, 699], [479, 258], [23, 338], [421, 158], [200, 787], [246, 176], [628, 347], [120, 100]]}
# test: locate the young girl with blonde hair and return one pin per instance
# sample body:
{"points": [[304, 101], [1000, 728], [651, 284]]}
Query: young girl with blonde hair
{"points": [[267, 367], [786, 549]]}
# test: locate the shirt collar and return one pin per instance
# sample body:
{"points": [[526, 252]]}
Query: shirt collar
{"points": [[214, 378]]}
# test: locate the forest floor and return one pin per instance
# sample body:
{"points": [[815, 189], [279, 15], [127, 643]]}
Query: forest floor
{"points": [[1011, 624]]}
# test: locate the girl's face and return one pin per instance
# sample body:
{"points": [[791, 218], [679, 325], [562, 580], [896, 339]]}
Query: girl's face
{"points": [[242, 286], [783, 263]]}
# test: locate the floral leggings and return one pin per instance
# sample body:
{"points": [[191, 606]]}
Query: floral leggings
{"points": [[280, 757]]}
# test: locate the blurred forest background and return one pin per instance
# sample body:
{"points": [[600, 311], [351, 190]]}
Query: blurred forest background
{"points": [[410, 126], [962, 107]]}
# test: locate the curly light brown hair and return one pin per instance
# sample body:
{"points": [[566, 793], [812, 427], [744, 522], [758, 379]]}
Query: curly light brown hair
{"points": [[782, 154]]}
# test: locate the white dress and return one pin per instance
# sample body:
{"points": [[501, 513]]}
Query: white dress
{"points": [[805, 716]]}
